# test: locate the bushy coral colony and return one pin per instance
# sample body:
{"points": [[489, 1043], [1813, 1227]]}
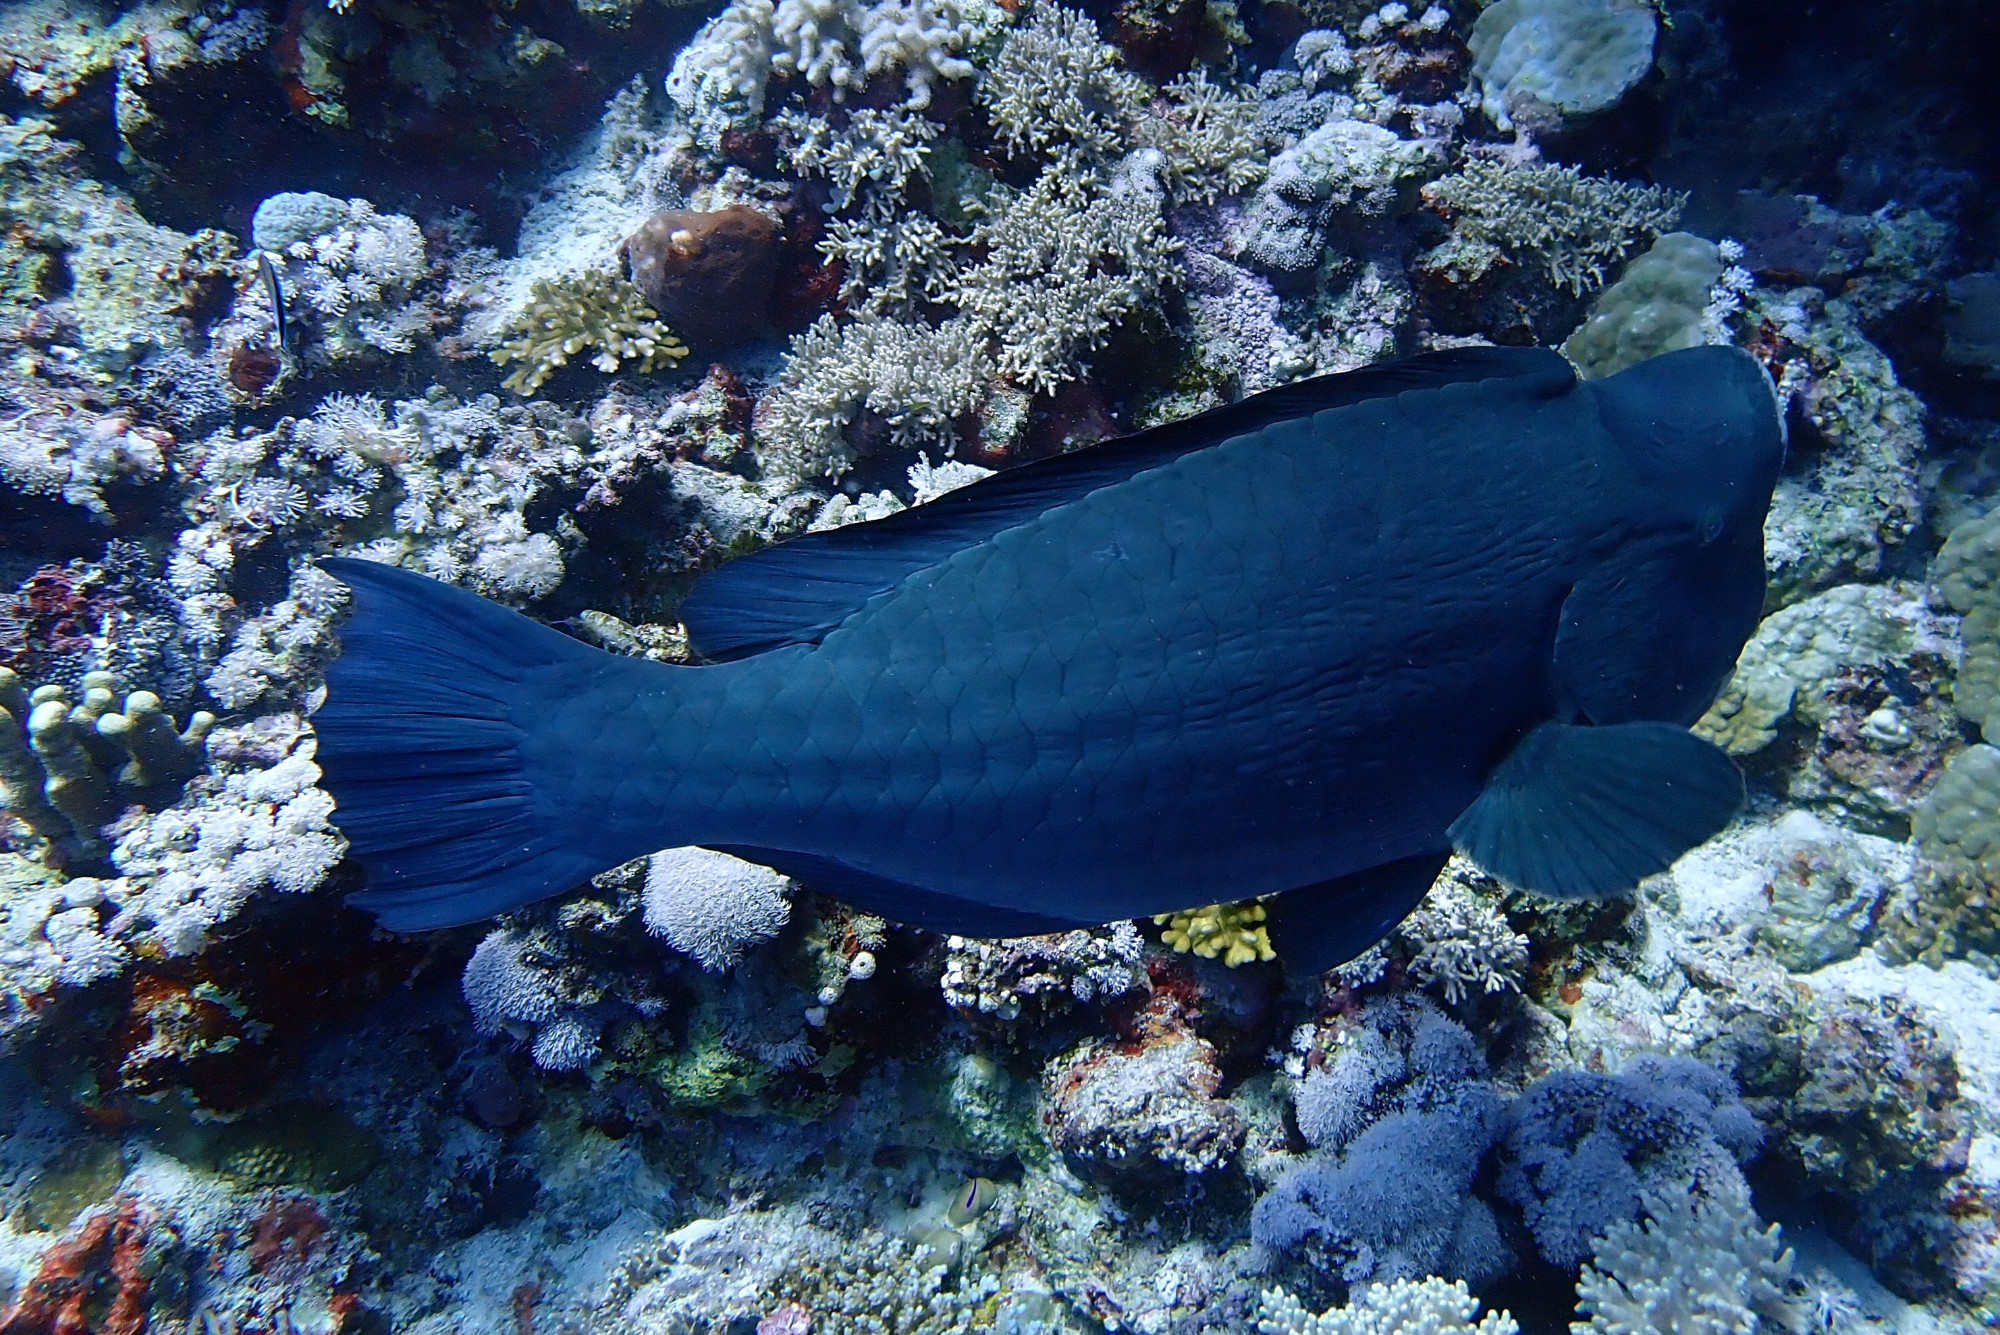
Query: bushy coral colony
{"points": [[568, 302]]}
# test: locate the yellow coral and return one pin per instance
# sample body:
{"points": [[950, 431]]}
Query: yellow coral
{"points": [[1234, 931], [590, 310]]}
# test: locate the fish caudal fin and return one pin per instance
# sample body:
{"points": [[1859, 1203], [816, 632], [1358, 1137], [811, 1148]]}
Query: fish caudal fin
{"points": [[420, 742], [1587, 812]]}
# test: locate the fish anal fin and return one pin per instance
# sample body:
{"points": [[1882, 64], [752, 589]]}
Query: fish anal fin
{"points": [[797, 591], [1588, 812], [1320, 927], [897, 901]]}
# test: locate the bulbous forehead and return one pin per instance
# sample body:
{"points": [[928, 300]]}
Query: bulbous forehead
{"points": [[1700, 424]]}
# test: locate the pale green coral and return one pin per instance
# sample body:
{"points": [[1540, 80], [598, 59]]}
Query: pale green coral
{"points": [[1799, 650], [1578, 226], [1960, 820], [589, 310], [1235, 932], [1968, 576], [1657, 305]]}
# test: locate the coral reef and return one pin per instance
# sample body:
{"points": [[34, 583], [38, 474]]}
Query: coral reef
{"points": [[1577, 226], [829, 260]]}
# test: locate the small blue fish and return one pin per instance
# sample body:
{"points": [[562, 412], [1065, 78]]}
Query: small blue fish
{"points": [[1300, 647], [275, 291]]}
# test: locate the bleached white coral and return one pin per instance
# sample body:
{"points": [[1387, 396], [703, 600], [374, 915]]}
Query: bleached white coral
{"points": [[713, 906], [356, 280], [76, 455], [835, 44], [236, 834], [994, 976], [1406, 1307], [1698, 1265]]}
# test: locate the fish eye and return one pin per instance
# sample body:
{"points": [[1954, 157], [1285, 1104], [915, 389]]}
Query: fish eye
{"points": [[1709, 526]]}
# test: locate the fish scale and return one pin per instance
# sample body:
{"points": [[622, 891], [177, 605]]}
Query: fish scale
{"points": [[1281, 650]]}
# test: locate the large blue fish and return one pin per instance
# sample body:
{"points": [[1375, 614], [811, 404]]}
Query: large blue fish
{"points": [[1298, 647]]}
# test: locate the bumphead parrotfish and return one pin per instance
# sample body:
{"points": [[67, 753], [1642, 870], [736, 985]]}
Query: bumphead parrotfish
{"points": [[1299, 647]]}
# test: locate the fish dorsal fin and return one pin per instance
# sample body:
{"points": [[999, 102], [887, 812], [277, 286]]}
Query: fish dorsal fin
{"points": [[796, 592], [1586, 813]]}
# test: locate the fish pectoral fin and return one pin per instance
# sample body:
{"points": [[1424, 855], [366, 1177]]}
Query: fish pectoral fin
{"points": [[1654, 630], [1587, 812], [897, 901], [1323, 926]]}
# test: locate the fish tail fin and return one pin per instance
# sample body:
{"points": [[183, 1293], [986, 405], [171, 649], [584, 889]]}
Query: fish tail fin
{"points": [[421, 743]]}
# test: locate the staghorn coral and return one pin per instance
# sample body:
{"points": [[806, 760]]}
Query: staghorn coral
{"points": [[585, 311], [1235, 932], [1064, 263], [1460, 940], [1209, 134], [916, 379], [1699, 1265], [1404, 1307], [1053, 82], [1577, 226]]}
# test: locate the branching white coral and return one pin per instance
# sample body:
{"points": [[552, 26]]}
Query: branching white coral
{"points": [[1065, 262], [1699, 1265], [1577, 225], [1463, 942], [1423, 1307], [915, 378], [1054, 81], [837, 44]]}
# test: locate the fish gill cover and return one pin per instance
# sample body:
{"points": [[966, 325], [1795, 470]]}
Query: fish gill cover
{"points": [[689, 333]]}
